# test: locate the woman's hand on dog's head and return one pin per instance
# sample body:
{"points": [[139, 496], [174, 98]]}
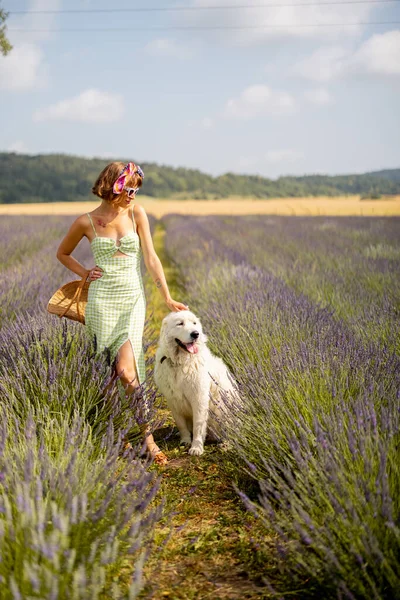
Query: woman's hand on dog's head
{"points": [[176, 306]]}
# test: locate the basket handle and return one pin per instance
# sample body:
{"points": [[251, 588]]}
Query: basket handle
{"points": [[76, 297]]}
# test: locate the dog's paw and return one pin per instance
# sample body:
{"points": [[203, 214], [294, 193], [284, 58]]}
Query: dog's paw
{"points": [[196, 450], [185, 441]]}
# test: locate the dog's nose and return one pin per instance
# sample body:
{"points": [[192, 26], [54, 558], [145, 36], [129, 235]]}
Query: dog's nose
{"points": [[194, 335]]}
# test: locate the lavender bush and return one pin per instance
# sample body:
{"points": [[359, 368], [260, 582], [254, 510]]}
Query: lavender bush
{"points": [[27, 285], [318, 425], [21, 237], [334, 501], [74, 506], [69, 513], [48, 365]]}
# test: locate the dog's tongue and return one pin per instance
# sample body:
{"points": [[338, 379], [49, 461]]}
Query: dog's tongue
{"points": [[192, 348]]}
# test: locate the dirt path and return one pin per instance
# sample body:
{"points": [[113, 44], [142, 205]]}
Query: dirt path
{"points": [[212, 552]]}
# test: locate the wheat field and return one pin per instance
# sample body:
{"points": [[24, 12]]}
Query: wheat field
{"points": [[324, 205]]}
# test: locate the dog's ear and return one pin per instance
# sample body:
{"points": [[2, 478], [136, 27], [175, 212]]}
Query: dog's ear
{"points": [[163, 329]]}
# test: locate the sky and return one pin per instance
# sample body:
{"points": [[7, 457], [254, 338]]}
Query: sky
{"points": [[243, 88]]}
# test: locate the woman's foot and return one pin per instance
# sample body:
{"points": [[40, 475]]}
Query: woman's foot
{"points": [[155, 453], [160, 458]]}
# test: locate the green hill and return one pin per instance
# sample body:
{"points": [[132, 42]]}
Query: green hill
{"points": [[57, 177]]}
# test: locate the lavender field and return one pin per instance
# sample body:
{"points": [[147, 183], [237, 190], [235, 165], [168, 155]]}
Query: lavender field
{"points": [[74, 512], [305, 311]]}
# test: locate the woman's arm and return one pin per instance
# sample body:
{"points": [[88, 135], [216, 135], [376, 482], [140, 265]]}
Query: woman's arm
{"points": [[76, 232], [151, 260]]}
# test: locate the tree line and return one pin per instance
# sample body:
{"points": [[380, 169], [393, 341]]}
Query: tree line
{"points": [[64, 178]]}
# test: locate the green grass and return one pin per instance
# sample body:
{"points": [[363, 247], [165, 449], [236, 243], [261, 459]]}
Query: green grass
{"points": [[212, 548]]}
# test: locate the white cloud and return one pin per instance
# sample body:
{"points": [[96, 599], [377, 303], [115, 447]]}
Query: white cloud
{"points": [[91, 106], [246, 162], [318, 96], [279, 156], [279, 21], [22, 68], [272, 157], [259, 100], [379, 55], [323, 65], [207, 123], [41, 21], [19, 147], [167, 48]]}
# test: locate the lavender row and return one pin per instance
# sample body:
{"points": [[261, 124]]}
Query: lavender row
{"points": [[27, 285], [69, 514], [318, 417], [348, 264], [73, 512], [21, 237]]}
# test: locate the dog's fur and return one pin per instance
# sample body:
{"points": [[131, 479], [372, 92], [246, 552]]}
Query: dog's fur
{"points": [[188, 375]]}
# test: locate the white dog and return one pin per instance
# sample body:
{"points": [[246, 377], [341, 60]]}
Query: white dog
{"points": [[187, 374]]}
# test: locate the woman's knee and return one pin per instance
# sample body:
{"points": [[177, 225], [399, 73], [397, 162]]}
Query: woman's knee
{"points": [[127, 375]]}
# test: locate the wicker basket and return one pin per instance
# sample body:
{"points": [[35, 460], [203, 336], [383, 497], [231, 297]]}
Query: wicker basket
{"points": [[70, 300]]}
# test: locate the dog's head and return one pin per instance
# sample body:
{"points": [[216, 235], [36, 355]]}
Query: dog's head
{"points": [[181, 332]]}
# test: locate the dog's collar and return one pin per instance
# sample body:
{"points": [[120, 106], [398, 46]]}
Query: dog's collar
{"points": [[167, 358]]}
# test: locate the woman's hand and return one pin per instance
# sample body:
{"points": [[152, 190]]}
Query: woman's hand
{"points": [[95, 273], [176, 306]]}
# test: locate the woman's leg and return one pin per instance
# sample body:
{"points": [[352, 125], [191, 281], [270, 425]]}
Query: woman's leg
{"points": [[127, 371]]}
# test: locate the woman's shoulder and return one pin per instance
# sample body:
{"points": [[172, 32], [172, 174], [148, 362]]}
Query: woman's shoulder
{"points": [[83, 219], [139, 211], [82, 222]]}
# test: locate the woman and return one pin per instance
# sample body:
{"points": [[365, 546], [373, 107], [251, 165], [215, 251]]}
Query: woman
{"points": [[118, 231]]}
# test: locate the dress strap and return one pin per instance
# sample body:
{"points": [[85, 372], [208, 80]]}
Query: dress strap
{"points": [[91, 222], [133, 220]]}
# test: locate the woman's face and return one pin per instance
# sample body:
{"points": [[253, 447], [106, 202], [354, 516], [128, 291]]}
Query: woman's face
{"points": [[123, 200], [128, 199]]}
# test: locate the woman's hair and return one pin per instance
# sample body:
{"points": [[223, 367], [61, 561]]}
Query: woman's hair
{"points": [[103, 188]]}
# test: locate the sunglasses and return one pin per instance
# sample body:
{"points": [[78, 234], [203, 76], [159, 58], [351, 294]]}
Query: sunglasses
{"points": [[131, 191]]}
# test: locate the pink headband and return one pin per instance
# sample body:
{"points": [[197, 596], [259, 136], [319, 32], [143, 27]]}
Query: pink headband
{"points": [[125, 174]]}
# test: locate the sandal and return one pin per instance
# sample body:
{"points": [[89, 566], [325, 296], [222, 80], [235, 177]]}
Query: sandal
{"points": [[159, 458], [155, 455]]}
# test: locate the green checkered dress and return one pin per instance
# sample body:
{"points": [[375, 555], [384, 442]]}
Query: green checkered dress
{"points": [[116, 307]]}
